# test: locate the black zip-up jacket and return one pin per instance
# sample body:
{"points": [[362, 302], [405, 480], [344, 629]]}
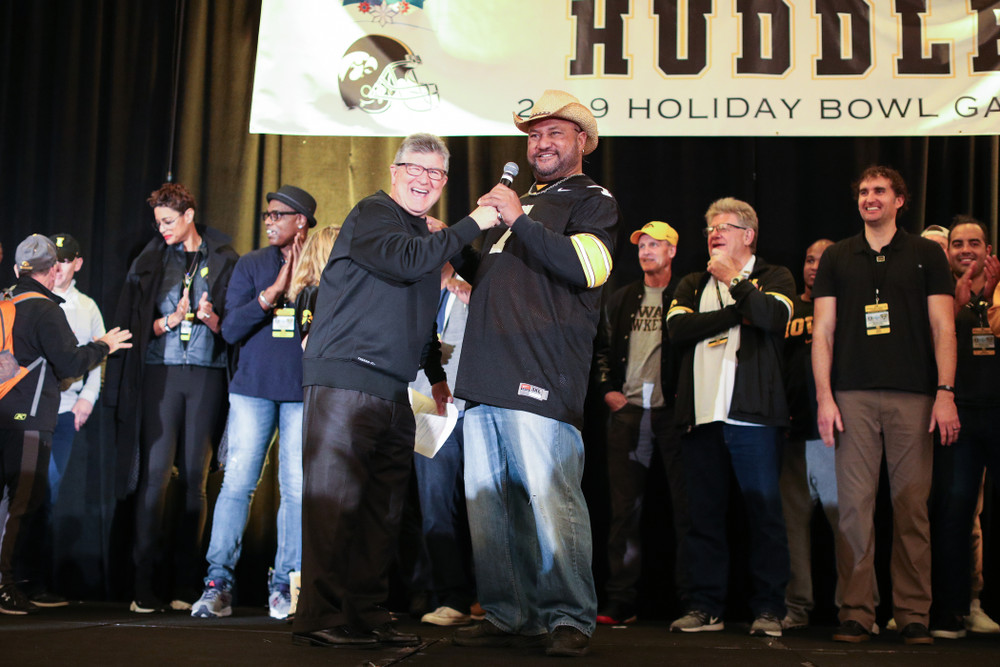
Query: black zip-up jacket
{"points": [[41, 330], [373, 326], [762, 309], [614, 333]]}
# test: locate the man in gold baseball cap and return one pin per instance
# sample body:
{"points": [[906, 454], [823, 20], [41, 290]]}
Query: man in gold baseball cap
{"points": [[636, 374]]}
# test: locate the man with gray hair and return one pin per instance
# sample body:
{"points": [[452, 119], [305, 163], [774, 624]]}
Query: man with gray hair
{"points": [[44, 352], [728, 324], [375, 326]]}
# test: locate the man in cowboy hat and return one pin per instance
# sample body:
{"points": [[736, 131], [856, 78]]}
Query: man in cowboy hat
{"points": [[534, 310], [265, 392]]}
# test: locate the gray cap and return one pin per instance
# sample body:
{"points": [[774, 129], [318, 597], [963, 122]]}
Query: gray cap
{"points": [[35, 253]]}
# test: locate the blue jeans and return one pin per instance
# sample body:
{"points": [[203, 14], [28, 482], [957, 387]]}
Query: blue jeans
{"points": [[529, 521], [958, 476], [62, 447], [251, 427], [445, 521], [752, 453]]}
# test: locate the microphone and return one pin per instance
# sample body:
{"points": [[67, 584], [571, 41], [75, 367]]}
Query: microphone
{"points": [[509, 172]]}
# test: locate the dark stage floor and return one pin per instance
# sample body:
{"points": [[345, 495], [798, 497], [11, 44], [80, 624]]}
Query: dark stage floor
{"points": [[106, 634]]}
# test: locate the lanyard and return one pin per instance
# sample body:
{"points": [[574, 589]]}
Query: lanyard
{"points": [[978, 305], [878, 272], [189, 275]]}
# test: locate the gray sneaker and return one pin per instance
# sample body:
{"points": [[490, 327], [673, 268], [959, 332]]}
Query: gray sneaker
{"points": [[766, 625], [279, 602], [215, 601], [697, 621]]}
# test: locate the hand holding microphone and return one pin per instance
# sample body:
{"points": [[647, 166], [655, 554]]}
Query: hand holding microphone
{"points": [[502, 198]]}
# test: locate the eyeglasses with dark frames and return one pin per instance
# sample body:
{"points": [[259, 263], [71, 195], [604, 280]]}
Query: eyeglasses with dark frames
{"points": [[275, 215], [417, 169]]}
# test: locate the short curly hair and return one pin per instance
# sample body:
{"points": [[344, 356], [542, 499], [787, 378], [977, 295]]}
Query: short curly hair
{"points": [[895, 180], [174, 196]]}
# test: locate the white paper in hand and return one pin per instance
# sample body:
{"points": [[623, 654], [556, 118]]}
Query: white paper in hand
{"points": [[432, 429]]}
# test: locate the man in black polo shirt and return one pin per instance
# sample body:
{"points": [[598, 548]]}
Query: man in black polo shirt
{"points": [[958, 470], [883, 339]]}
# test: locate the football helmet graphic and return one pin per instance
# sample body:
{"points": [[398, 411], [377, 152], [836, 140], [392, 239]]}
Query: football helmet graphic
{"points": [[378, 70]]}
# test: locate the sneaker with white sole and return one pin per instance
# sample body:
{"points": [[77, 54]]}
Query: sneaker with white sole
{"points": [[979, 621], [279, 602], [794, 622], [698, 621], [48, 599], [766, 625], [14, 602], [446, 616], [215, 601]]}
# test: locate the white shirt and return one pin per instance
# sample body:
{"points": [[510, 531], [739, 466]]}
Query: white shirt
{"points": [[715, 361], [86, 322]]}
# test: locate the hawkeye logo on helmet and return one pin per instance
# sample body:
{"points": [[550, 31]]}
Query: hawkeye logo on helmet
{"points": [[377, 71]]}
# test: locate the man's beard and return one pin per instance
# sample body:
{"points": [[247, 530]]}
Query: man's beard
{"points": [[561, 165]]}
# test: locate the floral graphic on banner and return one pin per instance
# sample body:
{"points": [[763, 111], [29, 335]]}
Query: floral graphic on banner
{"points": [[384, 12]]}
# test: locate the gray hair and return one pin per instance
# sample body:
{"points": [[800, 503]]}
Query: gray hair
{"points": [[743, 211], [421, 142]]}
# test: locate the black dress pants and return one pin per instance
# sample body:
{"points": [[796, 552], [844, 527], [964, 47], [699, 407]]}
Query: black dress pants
{"points": [[357, 453]]}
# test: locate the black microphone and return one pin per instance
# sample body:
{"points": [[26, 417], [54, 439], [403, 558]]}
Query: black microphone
{"points": [[509, 172]]}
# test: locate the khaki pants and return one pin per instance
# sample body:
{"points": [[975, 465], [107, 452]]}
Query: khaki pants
{"points": [[898, 421]]}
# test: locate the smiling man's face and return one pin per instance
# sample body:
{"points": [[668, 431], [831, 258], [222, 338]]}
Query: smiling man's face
{"points": [[555, 149], [877, 201], [417, 194]]}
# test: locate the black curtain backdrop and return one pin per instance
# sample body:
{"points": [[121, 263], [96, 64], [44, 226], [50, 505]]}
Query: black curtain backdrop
{"points": [[86, 101]]}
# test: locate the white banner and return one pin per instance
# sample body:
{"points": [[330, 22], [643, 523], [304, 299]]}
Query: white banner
{"points": [[645, 67]]}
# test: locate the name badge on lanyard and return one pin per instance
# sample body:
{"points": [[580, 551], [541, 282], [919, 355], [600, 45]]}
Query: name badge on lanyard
{"points": [[283, 324], [877, 319], [186, 325], [983, 342]]}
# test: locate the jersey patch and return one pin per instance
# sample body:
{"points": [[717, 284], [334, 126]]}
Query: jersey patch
{"points": [[531, 391]]}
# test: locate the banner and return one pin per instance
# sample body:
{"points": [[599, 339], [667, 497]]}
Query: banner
{"points": [[645, 67]]}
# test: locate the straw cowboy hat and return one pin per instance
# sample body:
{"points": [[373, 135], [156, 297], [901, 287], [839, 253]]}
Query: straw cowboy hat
{"points": [[558, 104]]}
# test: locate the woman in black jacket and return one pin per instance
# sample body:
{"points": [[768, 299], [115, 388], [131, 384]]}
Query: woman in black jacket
{"points": [[169, 394]]}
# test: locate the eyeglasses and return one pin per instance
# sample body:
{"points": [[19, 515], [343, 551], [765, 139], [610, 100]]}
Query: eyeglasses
{"points": [[165, 222], [722, 228], [417, 169], [275, 215]]}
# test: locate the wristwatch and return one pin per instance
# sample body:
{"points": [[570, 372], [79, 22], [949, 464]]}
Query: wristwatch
{"points": [[735, 281]]}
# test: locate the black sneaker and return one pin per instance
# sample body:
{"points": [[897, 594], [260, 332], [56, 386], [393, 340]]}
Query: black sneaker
{"points": [[47, 599], [916, 633], [567, 641], [616, 613], [14, 602], [851, 632], [949, 627]]}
